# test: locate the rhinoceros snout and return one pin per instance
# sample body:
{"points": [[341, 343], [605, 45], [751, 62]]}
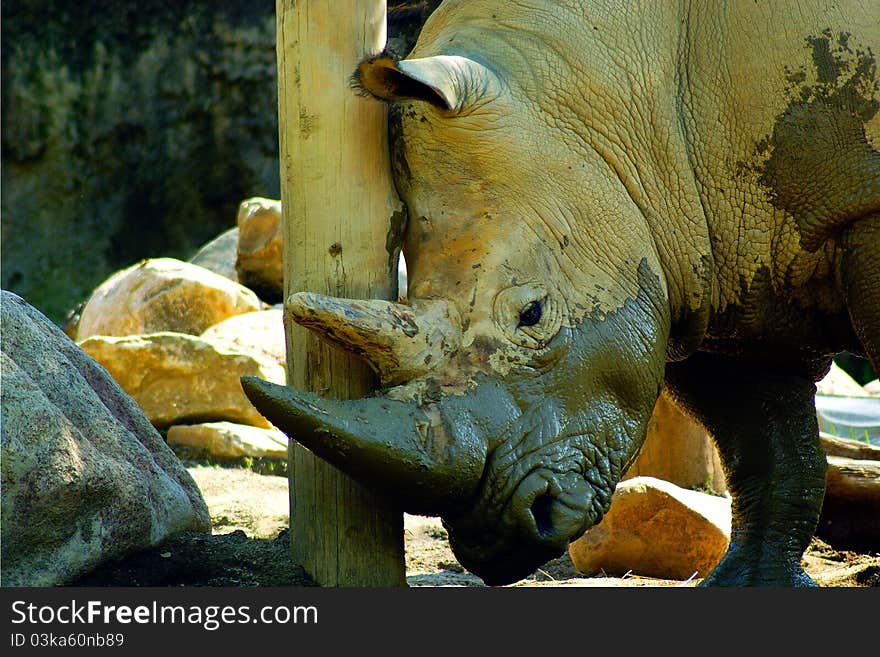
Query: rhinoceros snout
{"points": [[546, 511]]}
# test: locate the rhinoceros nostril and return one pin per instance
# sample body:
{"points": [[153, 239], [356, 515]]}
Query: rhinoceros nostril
{"points": [[548, 508], [542, 512]]}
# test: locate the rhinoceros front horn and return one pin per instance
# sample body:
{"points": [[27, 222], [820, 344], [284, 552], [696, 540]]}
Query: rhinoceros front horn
{"points": [[394, 446]]}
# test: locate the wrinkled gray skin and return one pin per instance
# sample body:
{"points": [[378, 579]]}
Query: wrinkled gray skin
{"points": [[604, 196]]}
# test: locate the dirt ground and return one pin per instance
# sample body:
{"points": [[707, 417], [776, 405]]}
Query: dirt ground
{"points": [[249, 547]]}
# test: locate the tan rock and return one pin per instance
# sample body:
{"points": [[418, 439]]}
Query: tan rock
{"points": [[259, 261], [656, 529], [228, 440], [219, 255], [163, 294], [178, 378], [85, 477], [260, 333], [677, 449]]}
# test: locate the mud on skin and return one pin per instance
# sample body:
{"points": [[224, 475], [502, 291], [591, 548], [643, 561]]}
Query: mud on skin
{"points": [[584, 181]]}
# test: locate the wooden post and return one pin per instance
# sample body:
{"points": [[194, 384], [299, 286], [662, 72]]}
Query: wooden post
{"points": [[339, 207]]}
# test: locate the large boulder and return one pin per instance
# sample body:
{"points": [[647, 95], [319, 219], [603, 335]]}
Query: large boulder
{"points": [[179, 379], [678, 450], [259, 333], [219, 255], [225, 441], [259, 259], [163, 294], [260, 248], [656, 529], [85, 477]]}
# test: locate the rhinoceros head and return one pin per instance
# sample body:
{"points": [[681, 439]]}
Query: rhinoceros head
{"points": [[519, 377]]}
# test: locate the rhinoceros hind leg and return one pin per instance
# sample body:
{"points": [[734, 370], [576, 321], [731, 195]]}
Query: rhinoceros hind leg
{"points": [[764, 424], [861, 283]]}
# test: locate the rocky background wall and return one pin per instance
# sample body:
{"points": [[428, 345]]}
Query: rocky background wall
{"points": [[131, 130]]}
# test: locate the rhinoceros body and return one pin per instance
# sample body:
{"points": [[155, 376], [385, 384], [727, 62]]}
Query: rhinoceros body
{"points": [[603, 197]]}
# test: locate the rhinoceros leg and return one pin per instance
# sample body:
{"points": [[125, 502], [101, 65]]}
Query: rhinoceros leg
{"points": [[764, 425], [861, 283]]}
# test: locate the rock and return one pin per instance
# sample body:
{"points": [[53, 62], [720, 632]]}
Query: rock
{"points": [[219, 254], [163, 294], [260, 333], [678, 450], [70, 324], [182, 379], [85, 476], [656, 529], [227, 440], [259, 261]]}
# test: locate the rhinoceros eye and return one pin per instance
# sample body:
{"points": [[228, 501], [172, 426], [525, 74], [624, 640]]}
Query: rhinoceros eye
{"points": [[530, 315]]}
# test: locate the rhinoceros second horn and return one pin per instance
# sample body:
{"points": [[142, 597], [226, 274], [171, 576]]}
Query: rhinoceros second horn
{"points": [[399, 341]]}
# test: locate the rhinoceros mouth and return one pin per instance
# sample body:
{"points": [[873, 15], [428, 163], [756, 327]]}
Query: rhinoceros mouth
{"points": [[546, 511], [504, 567]]}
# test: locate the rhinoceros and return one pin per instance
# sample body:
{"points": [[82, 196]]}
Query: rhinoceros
{"points": [[606, 197]]}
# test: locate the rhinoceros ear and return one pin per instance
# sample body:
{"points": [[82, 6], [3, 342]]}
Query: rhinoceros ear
{"points": [[449, 82]]}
